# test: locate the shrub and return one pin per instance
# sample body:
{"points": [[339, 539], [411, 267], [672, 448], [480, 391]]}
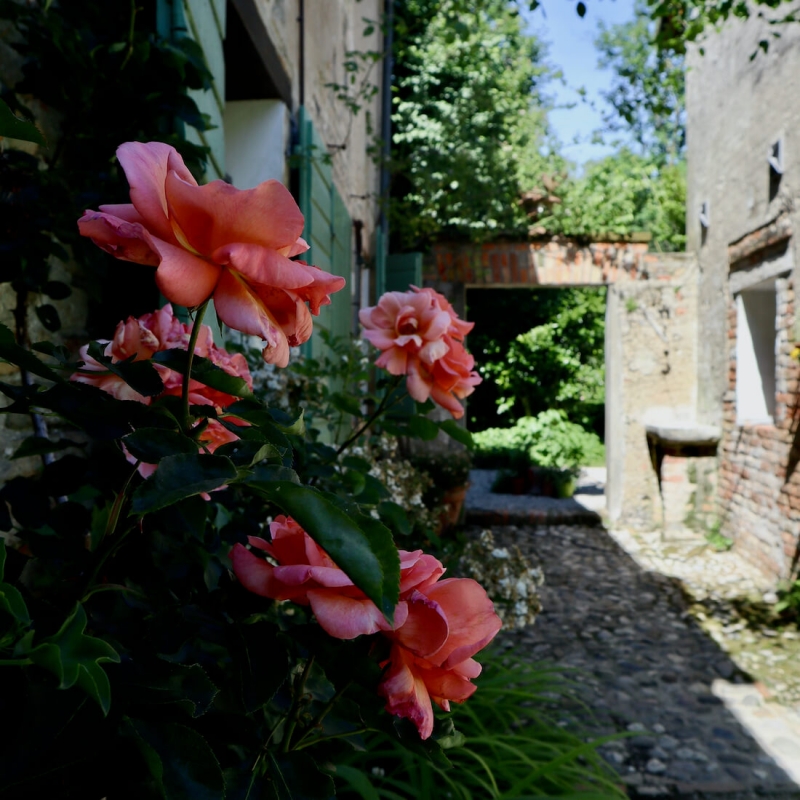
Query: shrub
{"points": [[547, 440]]}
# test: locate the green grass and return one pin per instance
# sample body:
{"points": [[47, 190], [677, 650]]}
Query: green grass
{"points": [[505, 747]]}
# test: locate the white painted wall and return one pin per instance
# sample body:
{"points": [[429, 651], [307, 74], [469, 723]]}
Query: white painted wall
{"points": [[256, 141], [755, 355]]}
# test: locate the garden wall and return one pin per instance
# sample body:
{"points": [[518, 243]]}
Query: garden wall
{"points": [[651, 353]]}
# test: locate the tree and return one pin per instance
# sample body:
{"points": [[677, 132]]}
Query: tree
{"points": [[466, 102], [647, 97], [642, 187], [558, 364], [621, 194]]}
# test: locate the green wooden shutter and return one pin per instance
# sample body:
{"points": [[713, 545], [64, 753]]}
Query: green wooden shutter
{"points": [[203, 21], [328, 229], [402, 271]]}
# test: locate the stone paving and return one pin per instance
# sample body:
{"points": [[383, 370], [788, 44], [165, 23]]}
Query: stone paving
{"points": [[617, 609]]}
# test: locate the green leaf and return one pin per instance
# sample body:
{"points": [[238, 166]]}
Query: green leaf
{"points": [[395, 517], [150, 445], [423, 427], [287, 423], [15, 128], [246, 453], [140, 375], [359, 545], [182, 476], [204, 371], [455, 431], [357, 781], [262, 663], [180, 760], [11, 352], [74, 658], [354, 481], [188, 687], [347, 403], [11, 600], [266, 473], [355, 462], [38, 445], [295, 776]]}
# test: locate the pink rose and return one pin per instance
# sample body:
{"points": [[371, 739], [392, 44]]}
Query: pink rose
{"points": [[431, 656], [216, 241], [306, 575], [420, 336], [151, 333]]}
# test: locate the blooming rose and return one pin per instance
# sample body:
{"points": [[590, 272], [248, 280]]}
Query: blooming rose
{"points": [[306, 575], [216, 240], [150, 333], [431, 656], [421, 337]]}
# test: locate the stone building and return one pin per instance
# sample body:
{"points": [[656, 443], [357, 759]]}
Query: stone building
{"points": [[743, 116]]}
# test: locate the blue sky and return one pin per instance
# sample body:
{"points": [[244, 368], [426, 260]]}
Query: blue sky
{"points": [[571, 48]]}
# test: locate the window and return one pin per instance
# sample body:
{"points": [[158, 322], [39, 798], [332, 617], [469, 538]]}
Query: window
{"points": [[755, 353]]}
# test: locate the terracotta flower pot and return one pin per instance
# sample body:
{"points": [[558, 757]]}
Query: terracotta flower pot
{"points": [[453, 502]]}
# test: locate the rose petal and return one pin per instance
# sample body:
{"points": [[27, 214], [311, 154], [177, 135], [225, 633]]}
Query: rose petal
{"points": [[128, 241], [405, 691], [347, 617], [426, 629], [239, 307], [184, 278], [146, 167], [470, 614], [218, 214]]}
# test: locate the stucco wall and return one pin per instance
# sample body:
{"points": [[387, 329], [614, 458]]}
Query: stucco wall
{"points": [[332, 29], [737, 109]]}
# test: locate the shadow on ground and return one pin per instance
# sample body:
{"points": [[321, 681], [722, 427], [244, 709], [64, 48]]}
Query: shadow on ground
{"points": [[645, 668]]}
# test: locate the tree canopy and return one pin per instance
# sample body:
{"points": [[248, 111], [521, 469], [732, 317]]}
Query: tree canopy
{"points": [[466, 103]]}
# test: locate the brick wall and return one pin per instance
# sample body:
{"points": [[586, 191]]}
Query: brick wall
{"points": [[759, 483], [553, 262]]}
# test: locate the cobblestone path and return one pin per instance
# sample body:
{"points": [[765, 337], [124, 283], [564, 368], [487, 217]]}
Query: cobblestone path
{"points": [[648, 669]]}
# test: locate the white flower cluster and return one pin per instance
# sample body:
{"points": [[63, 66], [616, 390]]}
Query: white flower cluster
{"points": [[508, 577], [405, 483]]}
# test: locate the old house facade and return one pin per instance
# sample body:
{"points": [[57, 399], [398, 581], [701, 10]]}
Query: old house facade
{"points": [[742, 222]]}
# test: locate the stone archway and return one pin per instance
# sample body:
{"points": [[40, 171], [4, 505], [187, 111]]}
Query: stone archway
{"points": [[650, 348]]}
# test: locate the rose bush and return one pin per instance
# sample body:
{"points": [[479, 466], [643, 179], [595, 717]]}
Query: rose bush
{"points": [[118, 569], [216, 241], [438, 625], [307, 575], [139, 339]]}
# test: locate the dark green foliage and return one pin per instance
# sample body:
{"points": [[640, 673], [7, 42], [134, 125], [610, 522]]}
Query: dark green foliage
{"points": [[465, 108], [501, 744], [558, 363], [104, 78]]}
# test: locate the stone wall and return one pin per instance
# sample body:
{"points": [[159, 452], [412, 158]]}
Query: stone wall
{"points": [[651, 346]]}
